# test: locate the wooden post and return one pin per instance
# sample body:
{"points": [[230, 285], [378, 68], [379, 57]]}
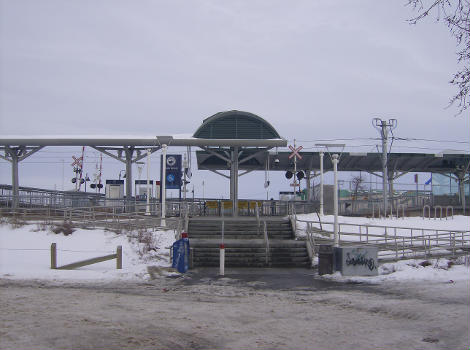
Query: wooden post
{"points": [[53, 256], [119, 257]]}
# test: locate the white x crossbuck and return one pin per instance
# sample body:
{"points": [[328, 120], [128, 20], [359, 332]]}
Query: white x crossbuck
{"points": [[295, 152]]}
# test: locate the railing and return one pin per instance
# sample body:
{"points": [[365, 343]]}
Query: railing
{"points": [[448, 208], [394, 242], [92, 217], [35, 198]]}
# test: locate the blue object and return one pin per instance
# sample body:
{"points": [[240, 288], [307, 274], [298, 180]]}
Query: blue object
{"points": [[181, 255], [429, 181], [173, 171]]}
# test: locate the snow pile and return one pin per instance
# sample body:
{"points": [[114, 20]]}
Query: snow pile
{"points": [[348, 224], [25, 253], [436, 270]]}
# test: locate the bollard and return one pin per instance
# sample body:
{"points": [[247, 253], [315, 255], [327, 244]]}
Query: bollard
{"points": [[53, 256], [222, 260], [119, 257]]}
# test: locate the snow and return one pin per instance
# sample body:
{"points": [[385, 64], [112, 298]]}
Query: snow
{"points": [[438, 270], [401, 226], [25, 253], [457, 223]]}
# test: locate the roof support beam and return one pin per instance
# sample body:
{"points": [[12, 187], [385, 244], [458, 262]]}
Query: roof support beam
{"points": [[245, 172], [208, 150], [254, 155], [216, 172], [15, 155], [129, 159]]}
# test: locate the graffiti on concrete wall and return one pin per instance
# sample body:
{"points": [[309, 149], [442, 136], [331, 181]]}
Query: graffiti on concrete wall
{"points": [[361, 260]]}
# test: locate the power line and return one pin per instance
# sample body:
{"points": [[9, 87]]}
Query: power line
{"points": [[429, 140]]}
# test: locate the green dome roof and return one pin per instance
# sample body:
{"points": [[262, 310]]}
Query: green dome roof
{"points": [[236, 125]]}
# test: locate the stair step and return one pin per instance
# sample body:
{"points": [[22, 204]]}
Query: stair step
{"points": [[244, 243]]}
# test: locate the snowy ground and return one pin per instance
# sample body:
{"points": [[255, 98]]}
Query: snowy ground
{"points": [[376, 226], [408, 306], [25, 253]]}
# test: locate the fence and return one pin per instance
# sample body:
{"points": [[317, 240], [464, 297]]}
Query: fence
{"points": [[117, 256], [394, 243]]}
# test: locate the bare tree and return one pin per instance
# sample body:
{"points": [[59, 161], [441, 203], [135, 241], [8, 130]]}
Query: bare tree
{"points": [[455, 14], [357, 185]]}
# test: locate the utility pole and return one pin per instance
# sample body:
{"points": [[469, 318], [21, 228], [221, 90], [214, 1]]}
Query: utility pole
{"points": [[383, 127]]}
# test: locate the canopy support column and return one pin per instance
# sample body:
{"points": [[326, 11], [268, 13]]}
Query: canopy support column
{"points": [[15, 155]]}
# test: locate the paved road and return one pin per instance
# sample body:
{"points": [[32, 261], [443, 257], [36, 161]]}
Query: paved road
{"points": [[246, 309]]}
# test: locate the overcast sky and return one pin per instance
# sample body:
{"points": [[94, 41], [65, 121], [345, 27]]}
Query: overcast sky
{"points": [[313, 69]]}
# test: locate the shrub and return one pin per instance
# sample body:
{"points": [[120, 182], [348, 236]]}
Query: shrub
{"points": [[65, 228], [425, 263]]}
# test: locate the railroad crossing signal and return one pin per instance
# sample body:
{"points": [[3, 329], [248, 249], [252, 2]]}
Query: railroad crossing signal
{"points": [[295, 152], [77, 161]]}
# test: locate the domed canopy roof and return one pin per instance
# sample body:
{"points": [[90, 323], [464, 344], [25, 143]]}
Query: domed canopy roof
{"points": [[236, 125]]}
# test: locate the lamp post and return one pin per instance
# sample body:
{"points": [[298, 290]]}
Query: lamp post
{"points": [[321, 183], [147, 211], [334, 158], [164, 149]]}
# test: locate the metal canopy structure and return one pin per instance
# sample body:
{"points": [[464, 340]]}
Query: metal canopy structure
{"points": [[242, 126], [370, 162], [234, 131], [399, 164]]}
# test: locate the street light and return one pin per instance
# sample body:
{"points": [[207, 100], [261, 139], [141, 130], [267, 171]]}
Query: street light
{"points": [[334, 160]]}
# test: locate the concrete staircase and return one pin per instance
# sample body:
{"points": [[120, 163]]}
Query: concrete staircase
{"points": [[244, 243]]}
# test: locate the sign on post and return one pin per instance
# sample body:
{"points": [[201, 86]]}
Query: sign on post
{"points": [[295, 152], [173, 171]]}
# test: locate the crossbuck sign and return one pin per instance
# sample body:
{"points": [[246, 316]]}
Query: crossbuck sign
{"points": [[77, 161], [295, 152]]}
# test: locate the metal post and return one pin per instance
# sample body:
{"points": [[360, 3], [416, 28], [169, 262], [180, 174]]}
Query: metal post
{"points": [[462, 191], [128, 152], [147, 211], [309, 187], [163, 184], [14, 178], [295, 174], [185, 166], [384, 165], [321, 182], [335, 199], [234, 181], [222, 248]]}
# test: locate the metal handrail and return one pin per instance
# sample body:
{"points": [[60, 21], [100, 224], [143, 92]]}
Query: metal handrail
{"points": [[419, 240]]}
